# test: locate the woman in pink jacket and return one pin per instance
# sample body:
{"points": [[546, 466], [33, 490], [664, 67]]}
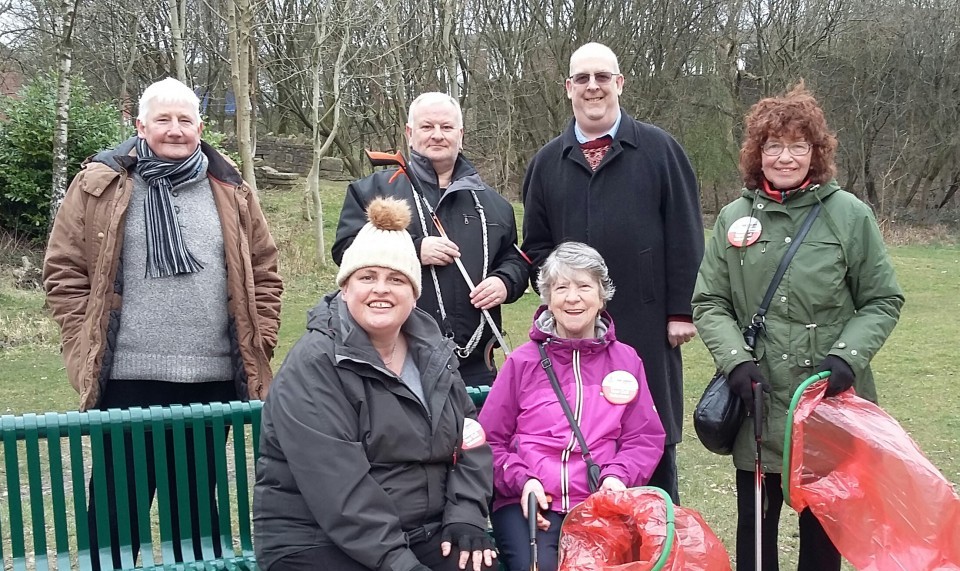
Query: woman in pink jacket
{"points": [[534, 447]]}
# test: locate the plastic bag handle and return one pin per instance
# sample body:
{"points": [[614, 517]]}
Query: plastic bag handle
{"points": [[788, 433]]}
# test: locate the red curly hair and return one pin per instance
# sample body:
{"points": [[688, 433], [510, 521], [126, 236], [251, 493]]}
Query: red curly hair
{"points": [[795, 115]]}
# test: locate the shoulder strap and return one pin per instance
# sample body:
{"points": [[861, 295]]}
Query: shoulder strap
{"points": [[757, 322], [548, 367]]}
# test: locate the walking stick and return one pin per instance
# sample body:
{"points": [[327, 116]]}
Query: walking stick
{"points": [[377, 159], [532, 510], [758, 473]]}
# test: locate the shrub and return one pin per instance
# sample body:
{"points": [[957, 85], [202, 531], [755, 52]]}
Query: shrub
{"points": [[26, 149]]}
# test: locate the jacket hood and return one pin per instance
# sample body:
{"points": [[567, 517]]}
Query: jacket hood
{"points": [[544, 329], [124, 157], [809, 195]]}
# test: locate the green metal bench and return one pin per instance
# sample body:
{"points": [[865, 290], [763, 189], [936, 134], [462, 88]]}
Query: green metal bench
{"points": [[47, 460]]}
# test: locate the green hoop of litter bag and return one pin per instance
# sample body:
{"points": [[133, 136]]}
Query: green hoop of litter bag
{"points": [[671, 528], [788, 433]]}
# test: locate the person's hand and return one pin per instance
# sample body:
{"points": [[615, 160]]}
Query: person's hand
{"points": [[533, 486], [841, 375], [437, 251], [612, 484], [679, 332], [741, 380], [489, 293], [472, 541]]}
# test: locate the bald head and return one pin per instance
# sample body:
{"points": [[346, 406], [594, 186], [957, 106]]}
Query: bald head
{"points": [[594, 51]]}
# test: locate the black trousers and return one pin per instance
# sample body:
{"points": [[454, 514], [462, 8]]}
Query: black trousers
{"points": [[512, 533], [665, 474], [331, 557], [817, 552], [129, 393]]}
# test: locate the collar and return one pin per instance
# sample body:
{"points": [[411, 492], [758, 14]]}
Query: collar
{"points": [[581, 138], [782, 196]]}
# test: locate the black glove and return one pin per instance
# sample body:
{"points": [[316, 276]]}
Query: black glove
{"points": [[841, 375], [741, 380], [466, 537]]}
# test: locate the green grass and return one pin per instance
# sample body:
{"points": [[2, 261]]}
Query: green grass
{"points": [[918, 371]]}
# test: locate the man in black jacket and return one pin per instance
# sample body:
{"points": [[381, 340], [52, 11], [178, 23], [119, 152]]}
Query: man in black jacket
{"points": [[480, 230], [627, 189]]}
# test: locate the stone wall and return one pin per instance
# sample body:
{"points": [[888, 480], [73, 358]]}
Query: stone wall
{"points": [[292, 155]]}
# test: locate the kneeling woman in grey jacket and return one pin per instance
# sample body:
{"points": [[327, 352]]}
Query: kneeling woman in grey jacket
{"points": [[363, 461]]}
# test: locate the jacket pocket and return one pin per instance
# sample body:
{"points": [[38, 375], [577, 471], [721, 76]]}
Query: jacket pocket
{"points": [[646, 276], [819, 277]]}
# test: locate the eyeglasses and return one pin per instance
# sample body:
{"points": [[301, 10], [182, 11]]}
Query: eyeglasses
{"points": [[774, 149], [601, 77]]}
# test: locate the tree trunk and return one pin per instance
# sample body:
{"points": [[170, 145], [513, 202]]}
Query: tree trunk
{"points": [[450, 49], [176, 34], [951, 191], [68, 11], [239, 23], [125, 102]]}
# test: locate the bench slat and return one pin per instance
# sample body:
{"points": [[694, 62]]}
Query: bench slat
{"points": [[158, 433], [79, 483], [58, 495], [224, 506], [14, 502], [202, 484], [35, 483], [243, 490], [141, 481], [121, 485]]}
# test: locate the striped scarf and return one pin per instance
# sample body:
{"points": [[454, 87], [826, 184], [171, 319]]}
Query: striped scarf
{"points": [[167, 253]]}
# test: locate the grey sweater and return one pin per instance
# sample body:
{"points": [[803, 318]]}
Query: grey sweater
{"points": [[175, 328]]}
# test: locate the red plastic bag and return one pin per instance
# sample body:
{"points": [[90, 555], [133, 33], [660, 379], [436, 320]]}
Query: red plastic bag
{"points": [[629, 531], [884, 505]]}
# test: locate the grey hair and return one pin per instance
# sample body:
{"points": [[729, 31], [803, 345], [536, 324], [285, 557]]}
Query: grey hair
{"points": [[570, 257], [169, 91], [434, 98]]}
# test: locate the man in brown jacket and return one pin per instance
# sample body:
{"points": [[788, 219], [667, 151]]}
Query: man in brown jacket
{"points": [[162, 274]]}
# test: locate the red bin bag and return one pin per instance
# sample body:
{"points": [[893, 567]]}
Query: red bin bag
{"points": [[638, 529], [883, 504]]}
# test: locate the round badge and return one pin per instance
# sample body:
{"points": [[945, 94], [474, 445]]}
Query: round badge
{"points": [[620, 387], [744, 231], [473, 434]]}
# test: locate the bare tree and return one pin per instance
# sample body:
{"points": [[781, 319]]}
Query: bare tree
{"points": [[177, 25], [240, 18], [68, 11]]}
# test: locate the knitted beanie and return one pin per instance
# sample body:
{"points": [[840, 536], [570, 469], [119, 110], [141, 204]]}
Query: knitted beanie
{"points": [[383, 241]]}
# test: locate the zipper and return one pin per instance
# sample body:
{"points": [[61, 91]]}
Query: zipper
{"points": [[568, 450]]}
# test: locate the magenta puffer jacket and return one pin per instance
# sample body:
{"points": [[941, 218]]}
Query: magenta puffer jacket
{"points": [[530, 436]]}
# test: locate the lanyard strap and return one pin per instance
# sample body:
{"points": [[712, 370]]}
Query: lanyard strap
{"points": [[757, 323], [420, 201], [593, 472]]}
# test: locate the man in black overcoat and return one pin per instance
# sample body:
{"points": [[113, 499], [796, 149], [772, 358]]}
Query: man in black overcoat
{"points": [[627, 189]]}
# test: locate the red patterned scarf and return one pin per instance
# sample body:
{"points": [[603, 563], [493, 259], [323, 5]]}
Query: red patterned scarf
{"points": [[595, 150]]}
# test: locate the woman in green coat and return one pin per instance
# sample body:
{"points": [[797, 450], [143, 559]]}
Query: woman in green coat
{"points": [[833, 309]]}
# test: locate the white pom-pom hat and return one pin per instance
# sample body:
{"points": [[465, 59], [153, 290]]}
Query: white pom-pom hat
{"points": [[384, 242]]}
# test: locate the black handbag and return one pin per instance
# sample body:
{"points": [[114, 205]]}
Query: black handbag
{"points": [[720, 412], [718, 416], [593, 471]]}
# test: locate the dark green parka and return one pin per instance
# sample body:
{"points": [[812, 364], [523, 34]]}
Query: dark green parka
{"points": [[839, 296]]}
